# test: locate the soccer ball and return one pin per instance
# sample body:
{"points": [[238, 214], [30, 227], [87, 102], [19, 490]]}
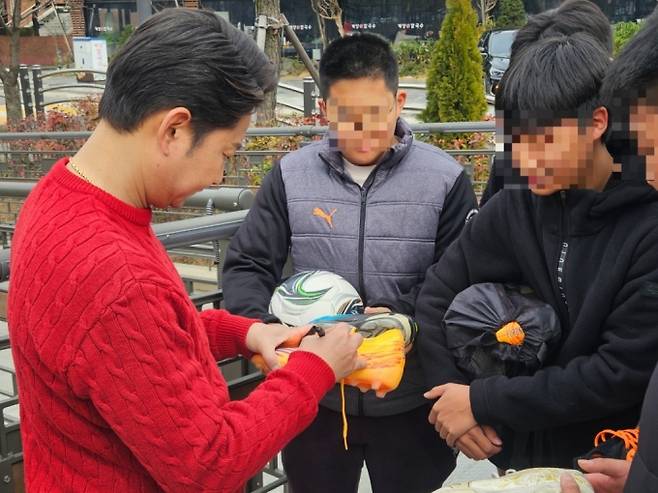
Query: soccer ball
{"points": [[312, 294]]}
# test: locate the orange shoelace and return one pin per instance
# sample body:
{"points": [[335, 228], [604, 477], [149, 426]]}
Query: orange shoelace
{"points": [[382, 352], [344, 414], [342, 404], [630, 438]]}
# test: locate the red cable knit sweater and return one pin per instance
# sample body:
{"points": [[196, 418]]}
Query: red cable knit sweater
{"points": [[118, 384]]}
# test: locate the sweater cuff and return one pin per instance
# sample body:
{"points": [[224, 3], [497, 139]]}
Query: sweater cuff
{"points": [[317, 374], [480, 402], [227, 333]]}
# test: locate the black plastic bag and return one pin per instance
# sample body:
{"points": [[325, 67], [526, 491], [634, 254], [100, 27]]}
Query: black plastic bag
{"points": [[493, 329]]}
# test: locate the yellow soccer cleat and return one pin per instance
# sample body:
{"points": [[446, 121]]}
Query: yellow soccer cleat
{"points": [[384, 354], [386, 336]]}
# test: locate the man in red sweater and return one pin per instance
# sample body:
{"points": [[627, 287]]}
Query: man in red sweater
{"points": [[118, 383]]}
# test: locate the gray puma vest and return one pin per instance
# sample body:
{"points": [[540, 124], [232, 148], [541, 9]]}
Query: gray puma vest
{"points": [[380, 237]]}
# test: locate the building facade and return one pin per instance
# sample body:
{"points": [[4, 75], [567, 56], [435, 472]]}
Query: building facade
{"points": [[391, 18]]}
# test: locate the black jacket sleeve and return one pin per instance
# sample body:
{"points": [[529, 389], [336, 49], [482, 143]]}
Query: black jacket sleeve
{"points": [[643, 477], [258, 252], [459, 202], [480, 254], [587, 387]]}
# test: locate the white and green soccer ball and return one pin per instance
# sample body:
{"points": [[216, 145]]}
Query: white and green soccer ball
{"points": [[309, 295]]}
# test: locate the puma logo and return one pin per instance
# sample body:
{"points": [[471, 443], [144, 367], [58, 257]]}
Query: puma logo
{"points": [[328, 217]]}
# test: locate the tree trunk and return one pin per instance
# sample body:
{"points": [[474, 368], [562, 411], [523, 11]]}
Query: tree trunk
{"points": [[9, 68], [12, 98], [323, 32], [339, 25], [266, 112]]}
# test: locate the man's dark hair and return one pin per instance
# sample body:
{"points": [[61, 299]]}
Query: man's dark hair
{"points": [[572, 17], [187, 58], [356, 57], [553, 79], [631, 77]]}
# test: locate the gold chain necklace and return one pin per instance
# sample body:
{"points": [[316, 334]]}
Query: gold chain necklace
{"points": [[82, 175]]}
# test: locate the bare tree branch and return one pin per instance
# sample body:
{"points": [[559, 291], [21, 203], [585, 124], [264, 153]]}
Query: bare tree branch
{"points": [[266, 112], [329, 9], [485, 7], [5, 27], [15, 34], [16, 15]]}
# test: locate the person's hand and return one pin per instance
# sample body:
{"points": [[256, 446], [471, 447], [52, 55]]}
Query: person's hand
{"points": [[451, 415], [606, 475], [479, 443], [265, 338], [568, 484], [374, 310], [337, 348]]}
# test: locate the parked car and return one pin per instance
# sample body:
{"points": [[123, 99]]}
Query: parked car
{"points": [[289, 51], [495, 47]]}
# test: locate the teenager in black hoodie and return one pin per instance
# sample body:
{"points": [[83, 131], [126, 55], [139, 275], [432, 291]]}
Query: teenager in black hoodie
{"points": [[571, 17], [585, 241], [630, 92]]}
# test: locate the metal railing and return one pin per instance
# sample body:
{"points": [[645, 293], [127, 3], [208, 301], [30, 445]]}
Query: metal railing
{"points": [[409, 86], [242, 173], [222, 198], [33, 90], [237, 174], [302, 130], [11, 450], [173, 235], [311, 93]]}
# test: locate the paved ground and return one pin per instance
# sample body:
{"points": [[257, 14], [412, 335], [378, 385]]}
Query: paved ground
{"points": [[466, 470]]}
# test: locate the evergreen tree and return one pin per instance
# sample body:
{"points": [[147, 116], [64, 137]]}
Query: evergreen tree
{"points": [[455, 87], [511, 13]]}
